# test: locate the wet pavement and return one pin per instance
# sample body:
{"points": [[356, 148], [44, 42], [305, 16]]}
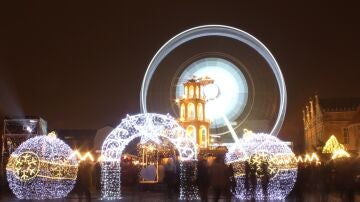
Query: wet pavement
{"points": [[148, 196]]}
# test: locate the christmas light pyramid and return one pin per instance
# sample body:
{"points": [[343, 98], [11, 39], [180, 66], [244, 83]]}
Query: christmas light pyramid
{"points": [[331, 145]]}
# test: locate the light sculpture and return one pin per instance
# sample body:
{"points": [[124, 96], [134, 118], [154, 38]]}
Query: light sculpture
{"points": [[149, 127], [340, 153], [331, 145], [42, 168], [86, 156], [259, 148], [309, 158]]}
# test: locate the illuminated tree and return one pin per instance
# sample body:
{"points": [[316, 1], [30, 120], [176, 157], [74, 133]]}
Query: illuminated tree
{"points": [[331, 145]]}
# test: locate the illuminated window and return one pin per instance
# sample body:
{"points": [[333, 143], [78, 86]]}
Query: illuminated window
{"points": [[346, 135], [191, 131], [200, 111], [191, 91], [191, 111], [203, 136], [197, 92], [186, 92], [182, 111]]}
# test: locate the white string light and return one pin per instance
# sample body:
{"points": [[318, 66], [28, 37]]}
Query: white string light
{"points": [[149, 127], [188, 189], [281, 160], [308, 158], [42, 168]]}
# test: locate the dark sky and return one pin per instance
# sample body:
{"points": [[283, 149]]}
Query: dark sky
{"points": [[80, 64]]}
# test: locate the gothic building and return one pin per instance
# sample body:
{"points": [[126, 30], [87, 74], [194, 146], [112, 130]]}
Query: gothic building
{"points": [[337, 116]]}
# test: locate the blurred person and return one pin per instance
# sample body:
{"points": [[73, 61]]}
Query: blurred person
{"points": [[202, 178], [161, 171], [265, 178], [96, 177], [253, 181], [219, 177], [84, 180], [349, 181], [232, 180], [170, 177], [247, 179]]}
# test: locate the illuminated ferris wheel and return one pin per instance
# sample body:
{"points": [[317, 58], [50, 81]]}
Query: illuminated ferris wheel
{"points": [[248, 91]]}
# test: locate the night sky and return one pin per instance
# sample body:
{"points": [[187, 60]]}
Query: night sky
{"points": [[79, 65]]}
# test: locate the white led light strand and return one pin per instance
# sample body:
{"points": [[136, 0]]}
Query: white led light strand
{"points": [[42, 168], [282, 164], [149, 127]]}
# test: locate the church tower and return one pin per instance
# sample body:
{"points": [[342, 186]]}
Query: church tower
{"points": [[192, 111]]}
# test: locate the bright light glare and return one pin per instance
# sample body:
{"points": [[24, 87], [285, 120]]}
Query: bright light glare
{"points": [[230, 88], [28, 129], [211, 91]]}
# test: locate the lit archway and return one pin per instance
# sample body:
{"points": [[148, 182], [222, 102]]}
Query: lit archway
{"points": [[182, 112], [200, 112], [191, 111], [191, 132], [197, 92], [149, 127], [186, 92], [191, 92], [203, 136]]}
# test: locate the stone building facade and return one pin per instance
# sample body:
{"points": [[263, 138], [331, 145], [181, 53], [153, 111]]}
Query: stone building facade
{"points": [[336, 116]]}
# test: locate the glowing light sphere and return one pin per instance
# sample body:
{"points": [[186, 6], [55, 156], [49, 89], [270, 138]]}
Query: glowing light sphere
{"points": [[42, 168], [257, 149], [229, 93]]}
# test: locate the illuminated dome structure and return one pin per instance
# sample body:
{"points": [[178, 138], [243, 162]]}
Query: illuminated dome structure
{"points": [[42, 168], [157, 129], [259, 149]]}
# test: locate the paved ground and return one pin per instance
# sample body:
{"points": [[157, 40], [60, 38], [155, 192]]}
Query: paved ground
{"points": [[159, 197]]}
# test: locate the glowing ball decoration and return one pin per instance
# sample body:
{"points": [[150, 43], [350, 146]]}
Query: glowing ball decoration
{"points": [[256, 150], [42, 168]]}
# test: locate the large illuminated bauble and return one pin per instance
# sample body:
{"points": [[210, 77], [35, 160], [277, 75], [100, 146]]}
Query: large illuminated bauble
{"points": [[258, 149], [42, 167], [250, 90]]}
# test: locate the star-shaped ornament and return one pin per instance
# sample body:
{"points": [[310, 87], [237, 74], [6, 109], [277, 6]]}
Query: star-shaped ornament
{"points": [[149, 132]]}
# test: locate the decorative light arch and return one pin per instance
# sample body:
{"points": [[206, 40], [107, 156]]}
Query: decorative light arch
{"points": [[149, 127]]}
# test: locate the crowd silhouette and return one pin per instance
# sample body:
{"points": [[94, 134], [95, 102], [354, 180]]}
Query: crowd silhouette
{"points": [[338, 177], [215, 178]]}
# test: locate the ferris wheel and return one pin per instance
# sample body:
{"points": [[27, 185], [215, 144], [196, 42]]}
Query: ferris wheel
{"points": [[248, 91]]}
